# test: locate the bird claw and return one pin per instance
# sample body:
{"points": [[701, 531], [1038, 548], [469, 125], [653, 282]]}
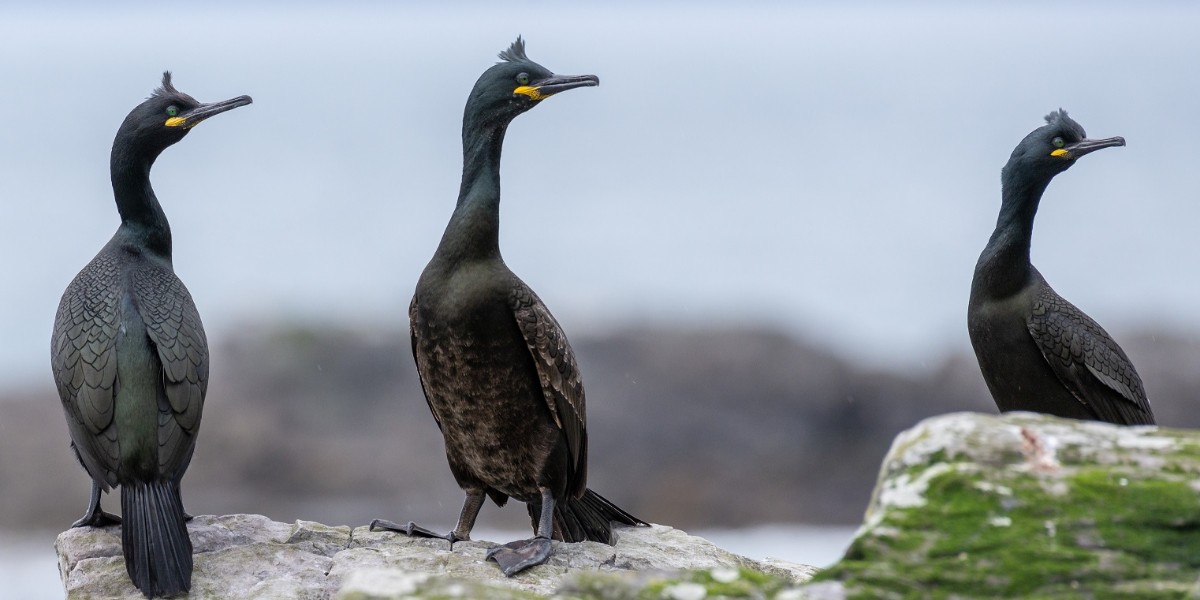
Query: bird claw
{"points": [[517, 556], [97, 518]]}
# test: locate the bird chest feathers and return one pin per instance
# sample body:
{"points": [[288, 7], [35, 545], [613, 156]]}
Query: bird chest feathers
{"points": [[471, 294]]}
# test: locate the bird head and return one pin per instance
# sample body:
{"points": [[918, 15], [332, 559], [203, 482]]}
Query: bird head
{"points": [[517, 84], [1055, 146], [167, 116]]}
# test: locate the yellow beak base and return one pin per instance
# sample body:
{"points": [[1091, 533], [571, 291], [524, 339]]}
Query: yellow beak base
{"points": [[530, 91]]}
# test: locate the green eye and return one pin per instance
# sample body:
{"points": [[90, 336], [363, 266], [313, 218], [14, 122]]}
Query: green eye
{"points": [[172, 110], [1058, 142], [523, 79]]}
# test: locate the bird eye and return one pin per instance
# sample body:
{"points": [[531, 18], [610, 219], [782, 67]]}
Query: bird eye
{"points": [[172, 110], [523, 79], [1058, 142]]}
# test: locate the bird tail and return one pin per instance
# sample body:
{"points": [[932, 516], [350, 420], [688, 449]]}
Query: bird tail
{"points": [[154, 537], [587, 518]]}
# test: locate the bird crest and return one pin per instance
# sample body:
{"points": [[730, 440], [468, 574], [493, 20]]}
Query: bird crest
{"points": [[1056, 115], [515, 52], [1060, 120], [166, 89]]}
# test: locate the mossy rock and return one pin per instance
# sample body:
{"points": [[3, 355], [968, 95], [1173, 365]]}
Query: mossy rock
{"points": [[1029, 506]]}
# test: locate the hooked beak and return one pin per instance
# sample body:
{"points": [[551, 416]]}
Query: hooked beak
{"points": [[1082, 147], [544, 88], [192, 118]]}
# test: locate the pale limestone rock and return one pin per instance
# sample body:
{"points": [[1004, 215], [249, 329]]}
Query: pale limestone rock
{"points": [[250, 556]]}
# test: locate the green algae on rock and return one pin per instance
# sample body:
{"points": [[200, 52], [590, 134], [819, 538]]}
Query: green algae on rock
{"points": [[1024, 505]]}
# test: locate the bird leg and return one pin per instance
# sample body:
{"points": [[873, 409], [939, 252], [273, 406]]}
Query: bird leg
{"points": [[462, 532], [517, 556], [94, 516]]}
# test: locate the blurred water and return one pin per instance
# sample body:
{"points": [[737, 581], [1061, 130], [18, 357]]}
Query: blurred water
{"points": [[816, 545], [831, 168], [29, 569]]}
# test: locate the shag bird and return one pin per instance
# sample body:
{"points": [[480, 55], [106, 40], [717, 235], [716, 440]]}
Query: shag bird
{"points": [[496, 368], [130, 357], [1037, 351]]}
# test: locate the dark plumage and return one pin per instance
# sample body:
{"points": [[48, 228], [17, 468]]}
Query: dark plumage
{"points": [[1037, 351], [130, 357], [496, 368]]}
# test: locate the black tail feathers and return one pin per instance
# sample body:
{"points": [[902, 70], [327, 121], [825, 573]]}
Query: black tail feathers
{"points": [[154, 537], [588, 518]]}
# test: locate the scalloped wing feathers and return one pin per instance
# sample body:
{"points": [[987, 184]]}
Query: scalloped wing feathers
{"points": [[84, 359], [558, 374], [1087, 360]]}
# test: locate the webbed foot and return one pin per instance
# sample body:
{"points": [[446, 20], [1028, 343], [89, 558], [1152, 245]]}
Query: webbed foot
{"points": [[413, 530], [517, 556], [97, 518]]}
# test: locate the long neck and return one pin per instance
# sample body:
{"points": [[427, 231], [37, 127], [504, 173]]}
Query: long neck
{"points": [[142, 217], [1004, 266], [474, 229]]}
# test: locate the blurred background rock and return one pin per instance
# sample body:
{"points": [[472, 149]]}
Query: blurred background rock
{"points": [[695, 428]]}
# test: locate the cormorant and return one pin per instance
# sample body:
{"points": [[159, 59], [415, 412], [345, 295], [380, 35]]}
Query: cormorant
{"points": [[496, 368], [1037, 351], [130, 357]]}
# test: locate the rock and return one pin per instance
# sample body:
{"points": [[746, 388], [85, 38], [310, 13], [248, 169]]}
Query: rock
{"points": [[250, 556], [1024, 505], [236, 556]]}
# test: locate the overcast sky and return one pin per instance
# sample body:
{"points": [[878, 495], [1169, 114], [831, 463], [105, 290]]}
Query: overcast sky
{"points": [[827, 168]]}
